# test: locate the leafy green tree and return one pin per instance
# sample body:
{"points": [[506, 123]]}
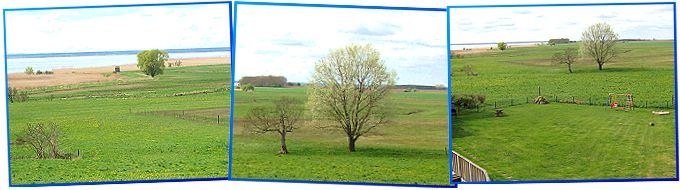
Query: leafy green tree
{"points": [[502, 45], [152, 62], [599, 42], [349, 89]]}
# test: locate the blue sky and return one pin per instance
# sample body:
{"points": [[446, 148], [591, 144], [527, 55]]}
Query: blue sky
{"points": [[288, 41], [478, 25], [118, 28]]}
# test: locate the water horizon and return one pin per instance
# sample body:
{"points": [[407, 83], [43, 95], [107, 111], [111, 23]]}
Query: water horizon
{"points": [[17, 63]]}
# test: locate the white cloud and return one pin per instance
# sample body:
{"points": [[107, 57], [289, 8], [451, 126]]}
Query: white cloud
{"points": [[288, 41], [483, 25], [117, 28]]}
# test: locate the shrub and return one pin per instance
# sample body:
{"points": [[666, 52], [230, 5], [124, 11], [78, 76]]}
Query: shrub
{"points": [[14, 95], [23, 96], [28, 70], [247, 87], [469, 71], [38, 72], [11, 94], [49, 72], [468, 101], [44, 139], [502, 45]]}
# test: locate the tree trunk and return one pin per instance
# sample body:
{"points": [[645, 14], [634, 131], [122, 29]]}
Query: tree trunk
{"points": [[599, 66], [284, 149], [352, 142], [570, 68]]}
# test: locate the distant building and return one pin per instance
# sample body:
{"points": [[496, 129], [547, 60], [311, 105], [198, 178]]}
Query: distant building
{"points": [[558, 41]]}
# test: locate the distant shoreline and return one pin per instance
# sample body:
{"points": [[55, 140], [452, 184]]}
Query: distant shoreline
{"points": [[92, 74]]}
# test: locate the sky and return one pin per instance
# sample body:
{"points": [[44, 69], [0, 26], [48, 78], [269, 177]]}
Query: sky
{"points": [[516, 24], [288, 41], [118, 28]]}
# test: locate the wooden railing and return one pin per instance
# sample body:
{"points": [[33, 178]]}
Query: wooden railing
{"points": [[465, 170]]}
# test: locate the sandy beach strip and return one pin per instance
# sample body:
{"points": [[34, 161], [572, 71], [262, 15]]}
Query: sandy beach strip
{"points": [[92, 74], [486, 50]]}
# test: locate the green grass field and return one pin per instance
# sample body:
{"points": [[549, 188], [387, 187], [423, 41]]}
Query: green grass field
{"points": [[129, 129], [562, 141], [410, 151]]}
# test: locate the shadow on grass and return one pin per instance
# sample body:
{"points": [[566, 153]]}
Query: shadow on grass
{"points": [[367, 151], [469, 117]]}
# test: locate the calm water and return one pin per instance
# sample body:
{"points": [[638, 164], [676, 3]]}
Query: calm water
{"points": [[17, 63]]}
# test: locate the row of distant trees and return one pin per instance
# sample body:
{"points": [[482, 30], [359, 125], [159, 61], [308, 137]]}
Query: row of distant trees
{"points": [[265, 81]]}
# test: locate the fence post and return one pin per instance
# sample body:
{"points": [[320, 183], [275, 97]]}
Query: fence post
{"points": [[527, 100], [218, 119], [494, 105], [539, 90]]}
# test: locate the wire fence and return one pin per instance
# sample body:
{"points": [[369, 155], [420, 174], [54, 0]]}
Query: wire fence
{"points": [[591, 101]]}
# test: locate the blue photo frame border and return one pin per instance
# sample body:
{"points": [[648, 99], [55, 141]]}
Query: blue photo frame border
{"points": [[231, 118], [4, 27], [675, 60]]}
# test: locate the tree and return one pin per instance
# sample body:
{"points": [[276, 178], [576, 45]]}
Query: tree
{"points": [[282, 119], [349, 89], [568, 57], [599, 42], [152, 62], [28, 70], [502, 45]]}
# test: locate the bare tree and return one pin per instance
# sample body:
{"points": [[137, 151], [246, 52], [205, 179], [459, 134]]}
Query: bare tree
{"points": [[568, 57], [281, 118], [349, 89], [599, 42]]}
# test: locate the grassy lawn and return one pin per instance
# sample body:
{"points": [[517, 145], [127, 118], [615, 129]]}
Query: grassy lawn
{"points": [[410, 151], [568, 142], [129, 129], [561, 141]]}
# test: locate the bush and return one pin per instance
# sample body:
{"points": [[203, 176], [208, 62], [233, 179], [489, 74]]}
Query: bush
{"points": [[49, 72], [175, 63], [247, 87], [38, 72], [469, 71], [14, 95], [468, 101], [44, 139], [28, 70], [410, 90], [502, 45]]}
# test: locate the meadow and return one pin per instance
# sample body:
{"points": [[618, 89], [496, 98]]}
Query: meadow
{"points": [[412, 150], [134, 128], [567, 141]]}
